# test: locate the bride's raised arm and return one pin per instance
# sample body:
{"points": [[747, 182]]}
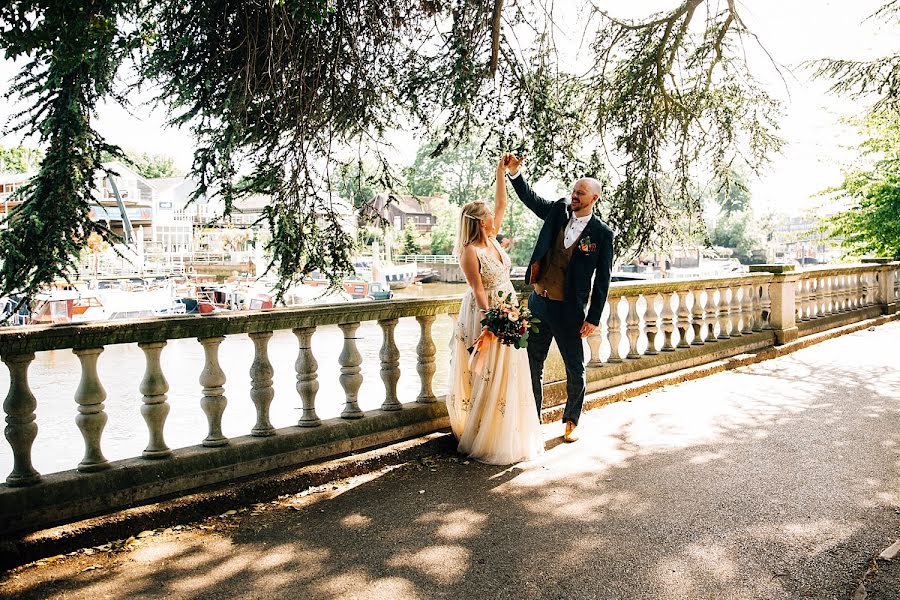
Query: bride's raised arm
{"points": [[500, 193]]}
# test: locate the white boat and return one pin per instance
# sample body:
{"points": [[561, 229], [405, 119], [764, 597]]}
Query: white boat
{"points": [[396, 276], [304, 294]]}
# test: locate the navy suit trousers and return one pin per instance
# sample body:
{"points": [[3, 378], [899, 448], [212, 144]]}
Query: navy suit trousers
{"points": [[558, 322]]}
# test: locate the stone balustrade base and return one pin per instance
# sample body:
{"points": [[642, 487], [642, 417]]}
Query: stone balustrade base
{"points": [[821, 324], [638, 386], [629, 370], [70, 495]]}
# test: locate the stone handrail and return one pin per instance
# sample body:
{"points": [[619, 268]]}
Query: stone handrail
{"points": [[38, 338], [646, 328]]}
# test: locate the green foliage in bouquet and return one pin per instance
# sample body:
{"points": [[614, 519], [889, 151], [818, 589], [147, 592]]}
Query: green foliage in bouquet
{"points": [[511, 323]]}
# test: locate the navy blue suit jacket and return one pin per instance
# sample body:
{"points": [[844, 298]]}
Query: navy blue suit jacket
{"points": [[588, 274]]}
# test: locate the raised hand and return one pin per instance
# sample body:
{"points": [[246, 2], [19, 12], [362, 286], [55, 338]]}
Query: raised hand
{"points": [[513, 162]]}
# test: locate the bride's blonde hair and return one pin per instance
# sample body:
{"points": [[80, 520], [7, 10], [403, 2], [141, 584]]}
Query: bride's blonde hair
{"points": [[469, 229]]}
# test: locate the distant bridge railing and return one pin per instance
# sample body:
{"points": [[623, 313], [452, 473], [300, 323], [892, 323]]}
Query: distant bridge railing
{"points": [[648, 328], [427, 259]]}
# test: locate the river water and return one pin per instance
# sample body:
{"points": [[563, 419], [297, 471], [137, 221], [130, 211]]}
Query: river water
{"points": [[54, 376]]}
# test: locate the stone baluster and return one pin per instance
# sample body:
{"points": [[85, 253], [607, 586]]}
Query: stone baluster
{"points": [[632, 327], [756, 291], [812, 285], [837, 298], [724, 318], [651, 318], [809, 299], [861, 291], [307, 377], [747, 309], [351, 377], [614, 327], [868, 283], [874, 288], [847, 293], [865, 280], [766, 304], [156, 408], [798, 298], [830, 303], [850, 292], [832, 295], [684, 317], [91, 417], [213, 403], [668, 322], [390, 364], [21, 428], [425, 351], [820, 297], [711, 312], [879, 287], [261, 391], [698, 315], [594, 341], [843, 305], [734, 310]]}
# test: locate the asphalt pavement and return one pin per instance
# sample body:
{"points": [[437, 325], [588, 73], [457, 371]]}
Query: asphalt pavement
{"points": [[776, 480]]}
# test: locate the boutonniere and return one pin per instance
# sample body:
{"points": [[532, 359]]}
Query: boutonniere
{"points": [[587, 245]]}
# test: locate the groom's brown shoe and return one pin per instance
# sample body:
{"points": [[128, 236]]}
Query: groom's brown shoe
{"points": [[570, 435]]}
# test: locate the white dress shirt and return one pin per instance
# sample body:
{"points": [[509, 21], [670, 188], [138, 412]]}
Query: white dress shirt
{"points": [[573, 228]]}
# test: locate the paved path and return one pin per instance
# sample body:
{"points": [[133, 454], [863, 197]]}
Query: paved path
{"points": [[778, 480]]}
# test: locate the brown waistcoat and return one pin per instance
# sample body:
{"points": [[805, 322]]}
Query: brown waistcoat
{"points": [[552, 279]]}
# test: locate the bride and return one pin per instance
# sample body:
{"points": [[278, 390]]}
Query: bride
{"points": [[491, 405]]}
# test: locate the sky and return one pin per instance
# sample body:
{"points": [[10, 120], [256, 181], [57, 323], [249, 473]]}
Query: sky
{"points": [[791, 30]]}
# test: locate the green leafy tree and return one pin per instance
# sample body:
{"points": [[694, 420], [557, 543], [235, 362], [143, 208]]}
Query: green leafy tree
{"points": [[467, 174], [871, 223], [19, 159], [422, 177], [74, 50], [443, 234], [410, 244], [733, 193], [463, 172], [147, 164], [878, 78], [740, 233], [280, 88], [522, 228]]}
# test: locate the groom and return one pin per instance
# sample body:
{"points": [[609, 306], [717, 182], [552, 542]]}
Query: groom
{"points": [[570, 269]]}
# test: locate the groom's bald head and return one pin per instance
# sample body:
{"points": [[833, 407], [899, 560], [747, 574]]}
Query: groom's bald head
{"points": [[585, 194], [594, 185]]}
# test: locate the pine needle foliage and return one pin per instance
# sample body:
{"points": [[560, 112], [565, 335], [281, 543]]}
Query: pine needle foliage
{"points": [[276, 91]]}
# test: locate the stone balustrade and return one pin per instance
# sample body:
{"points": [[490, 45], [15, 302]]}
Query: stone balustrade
{"points": [[647, 328]]}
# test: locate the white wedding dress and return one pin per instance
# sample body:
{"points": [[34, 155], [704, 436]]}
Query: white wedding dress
{"points": [[492, 410]]}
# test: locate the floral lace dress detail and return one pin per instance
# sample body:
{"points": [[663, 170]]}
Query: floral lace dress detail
{"points": [[492, 411]]}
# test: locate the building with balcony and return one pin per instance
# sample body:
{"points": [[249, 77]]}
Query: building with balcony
{"points": [[399, 210]]}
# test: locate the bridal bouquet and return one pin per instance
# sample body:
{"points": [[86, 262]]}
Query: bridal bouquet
{"points": [[509, 322]]}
